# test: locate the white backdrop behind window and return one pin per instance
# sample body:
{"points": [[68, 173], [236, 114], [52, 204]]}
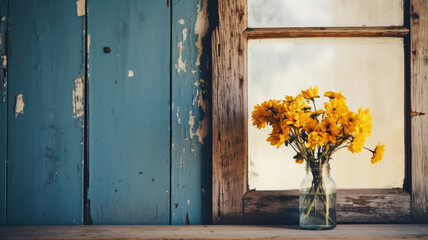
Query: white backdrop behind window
{"points": [[322, 13], [370, 74]]}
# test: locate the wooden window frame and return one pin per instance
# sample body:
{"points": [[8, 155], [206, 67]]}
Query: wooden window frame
{"points": [[233, 203]]}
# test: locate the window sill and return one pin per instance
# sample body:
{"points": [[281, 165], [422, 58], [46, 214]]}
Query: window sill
{"points": [[384, 231]]}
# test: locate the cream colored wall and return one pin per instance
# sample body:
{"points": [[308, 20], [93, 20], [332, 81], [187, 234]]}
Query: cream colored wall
{"points": [[369, 72]]}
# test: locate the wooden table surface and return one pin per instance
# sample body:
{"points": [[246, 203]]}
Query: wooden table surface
{"points": [[404, 231]]}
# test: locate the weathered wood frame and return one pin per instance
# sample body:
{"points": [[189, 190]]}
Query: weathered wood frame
{"points": [[232, 202]]}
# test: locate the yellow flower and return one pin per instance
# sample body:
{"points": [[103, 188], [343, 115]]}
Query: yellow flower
{"points": [[329, 126], [297, 119], [334, 95], [311, 126], [297, 105], [364, 125], [259, 117], [291, 99], [316, 113], [265, 112], [279, 135], [336, 108], [357, 143], [299, 161], [378, 153], [315, 138], [350, 122], [311, 93]]}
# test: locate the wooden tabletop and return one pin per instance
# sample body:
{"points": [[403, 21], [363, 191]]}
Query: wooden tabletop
{"points": [[404, 231]]}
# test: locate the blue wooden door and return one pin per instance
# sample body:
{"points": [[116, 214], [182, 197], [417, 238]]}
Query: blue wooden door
{"points": [[129, 111], [45, 112]]}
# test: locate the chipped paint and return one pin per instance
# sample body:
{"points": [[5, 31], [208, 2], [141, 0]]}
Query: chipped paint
{"points": [[80, 4], [4, 87], [181, 21], [89, 44], [130, 73], [181, 65], [188, 201], [4, 61], [196, 98], [202, 103], [191, 123], [202, 131], [201, 29], [78, 94], [193, 71], [19, 106], [178, 115], [3, 18]]}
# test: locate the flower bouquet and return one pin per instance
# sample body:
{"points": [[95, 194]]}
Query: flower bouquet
{"points": [[315, 135]]}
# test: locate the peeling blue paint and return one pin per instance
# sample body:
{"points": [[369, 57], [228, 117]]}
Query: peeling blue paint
{"points": [[191, 130], [44, 144]]}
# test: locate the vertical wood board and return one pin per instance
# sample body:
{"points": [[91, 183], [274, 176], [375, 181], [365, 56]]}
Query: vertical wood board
{"points": [[3, 108], [129, 115], [229, 98], [419, 104], [45, 112], [191, 114]]}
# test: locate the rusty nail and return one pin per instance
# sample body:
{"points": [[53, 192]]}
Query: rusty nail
{"points": [[107, 49], [413, 114]]}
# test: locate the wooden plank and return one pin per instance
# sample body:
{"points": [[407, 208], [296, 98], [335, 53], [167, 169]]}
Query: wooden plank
{"points": [[353, 206], [229, 99], [191, 152], [129, 115], [304, 32], [346, 231], [419, 104], [45, 112], [3, 108]]}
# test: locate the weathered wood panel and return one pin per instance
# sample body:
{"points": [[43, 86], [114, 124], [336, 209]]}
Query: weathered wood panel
{"points": [[191, 152], [258, 33], [353, 206], [129, 115], [343, 231], [3, 108], [419, 104], [45, 112], [229, 99]]}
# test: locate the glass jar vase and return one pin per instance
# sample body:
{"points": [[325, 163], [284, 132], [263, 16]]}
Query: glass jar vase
{"points": [[317, 198]]}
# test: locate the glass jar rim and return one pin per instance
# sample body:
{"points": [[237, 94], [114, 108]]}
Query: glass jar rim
{"points": [[318, 167]]}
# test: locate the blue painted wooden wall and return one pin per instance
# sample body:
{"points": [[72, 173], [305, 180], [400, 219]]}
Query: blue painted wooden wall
{"points": [[138, 117], [45, 114], [192, 24], [129, 98]]}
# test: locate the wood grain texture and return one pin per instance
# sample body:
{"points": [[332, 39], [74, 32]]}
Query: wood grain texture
{"points": [[229, 99], [129, 116], [353, 206], [45, 151], [259, 33], [191, 151], [419, 103], [3, 107], [346, 231]]}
